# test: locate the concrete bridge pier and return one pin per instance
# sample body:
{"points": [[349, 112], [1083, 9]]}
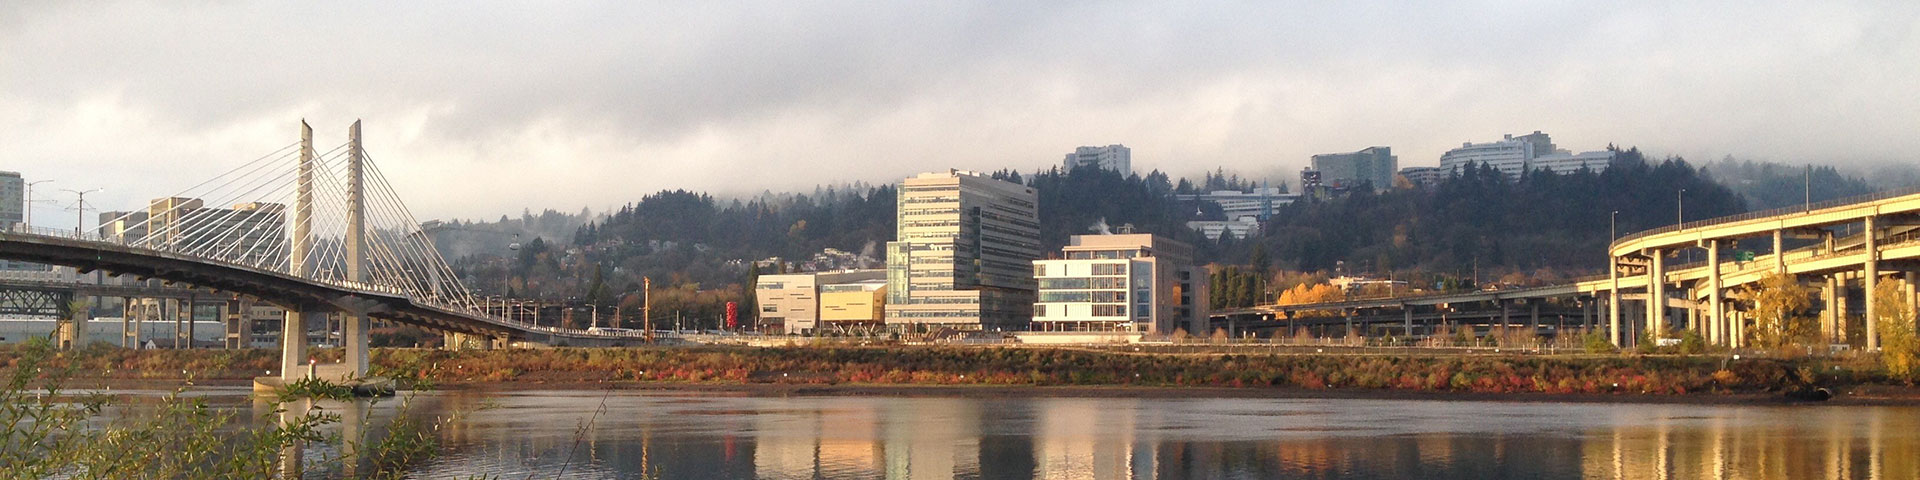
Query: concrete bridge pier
{"points": [[293, 345], [357, 344], [235, 319]]}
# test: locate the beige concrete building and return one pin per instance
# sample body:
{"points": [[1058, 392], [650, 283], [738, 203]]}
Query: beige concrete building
{"points": [[1137, 283], [792, 302], [963, 252], [853, 305]]}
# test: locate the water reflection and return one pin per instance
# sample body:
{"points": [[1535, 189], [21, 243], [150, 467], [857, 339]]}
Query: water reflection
{"points": [[674, 435]]}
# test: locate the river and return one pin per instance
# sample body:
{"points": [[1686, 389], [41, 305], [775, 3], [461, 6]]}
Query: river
{"points": [[705, 435]]}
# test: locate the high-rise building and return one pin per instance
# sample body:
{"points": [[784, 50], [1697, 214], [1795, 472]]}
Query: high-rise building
{"points": [[1513, 156], [1372, 165], [963, 253], [13, 203], [123, 227], [1139, 283], [249, 233], [1114, 157]]}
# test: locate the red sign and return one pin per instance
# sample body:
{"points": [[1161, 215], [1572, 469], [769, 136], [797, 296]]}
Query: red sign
{"points": [[733, 315]]}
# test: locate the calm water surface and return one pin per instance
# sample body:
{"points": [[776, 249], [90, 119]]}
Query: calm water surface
{"points": [[628, 434]]}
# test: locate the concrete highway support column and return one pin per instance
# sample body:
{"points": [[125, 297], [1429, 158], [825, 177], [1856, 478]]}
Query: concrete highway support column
{"points": [[1913, 297], [354, 333], [1716, 312], [1407, 311], [1533, 317], [1693, 317], [1833, 318], [1871, 280], [1504, 322], [1779, 256], [1657, 293], [1613, 303]]}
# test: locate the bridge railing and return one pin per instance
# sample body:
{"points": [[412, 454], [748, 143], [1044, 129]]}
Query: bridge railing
{"points": [[67, 233], [1838, 202]]}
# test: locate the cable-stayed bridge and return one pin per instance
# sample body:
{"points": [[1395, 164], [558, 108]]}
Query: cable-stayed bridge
{"points": [[317, 232]]}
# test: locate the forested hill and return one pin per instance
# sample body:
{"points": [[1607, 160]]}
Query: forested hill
{"points": [[1480, 219], [1543, 225], [1771, 185]]}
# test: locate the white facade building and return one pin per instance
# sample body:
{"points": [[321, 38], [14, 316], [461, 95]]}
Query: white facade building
{"points": [[1239, 228], [1563, 162], [1244, 210], [1136, 283], [1116, 157], [1513, 156], [1257, 204]]}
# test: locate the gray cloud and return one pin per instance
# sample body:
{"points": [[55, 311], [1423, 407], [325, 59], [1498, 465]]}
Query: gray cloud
{"points": [[481, 110]]}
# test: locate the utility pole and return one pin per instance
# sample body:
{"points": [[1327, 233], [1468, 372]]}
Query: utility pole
{"points": [[26, 212], [80, 209], [1808, 192], [646, 306]]}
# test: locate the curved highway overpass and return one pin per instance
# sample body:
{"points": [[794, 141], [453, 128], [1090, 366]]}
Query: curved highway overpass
{"points": [[1844, 248]]}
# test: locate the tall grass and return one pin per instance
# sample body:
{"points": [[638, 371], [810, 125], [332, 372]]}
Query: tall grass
{"points": [[51, 433]]}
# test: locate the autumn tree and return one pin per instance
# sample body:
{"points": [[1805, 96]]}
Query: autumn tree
{"points": [[1779, 306], [1900, 350], [1312, 293]]}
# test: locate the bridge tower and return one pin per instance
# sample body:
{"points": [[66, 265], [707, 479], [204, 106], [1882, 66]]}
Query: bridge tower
{"points": [[293, 332], [355, 331]]}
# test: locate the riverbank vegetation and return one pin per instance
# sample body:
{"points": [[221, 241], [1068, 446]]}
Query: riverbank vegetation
{"points": [[849, 365], [1070, 367], [47, 431]]}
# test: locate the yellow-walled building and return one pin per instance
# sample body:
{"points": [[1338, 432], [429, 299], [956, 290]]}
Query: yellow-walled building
{"points": [[853, 304]]}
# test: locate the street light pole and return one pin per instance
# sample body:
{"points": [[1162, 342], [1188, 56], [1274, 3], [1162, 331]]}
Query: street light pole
{"points": [[1680, 207], [1680, 215], [1613, 220]]}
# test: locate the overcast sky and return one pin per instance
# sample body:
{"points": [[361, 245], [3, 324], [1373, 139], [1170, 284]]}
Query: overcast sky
{"points": [[478, 110]]}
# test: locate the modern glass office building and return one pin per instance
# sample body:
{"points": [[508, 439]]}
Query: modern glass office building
{"points": [[963, 252]]}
